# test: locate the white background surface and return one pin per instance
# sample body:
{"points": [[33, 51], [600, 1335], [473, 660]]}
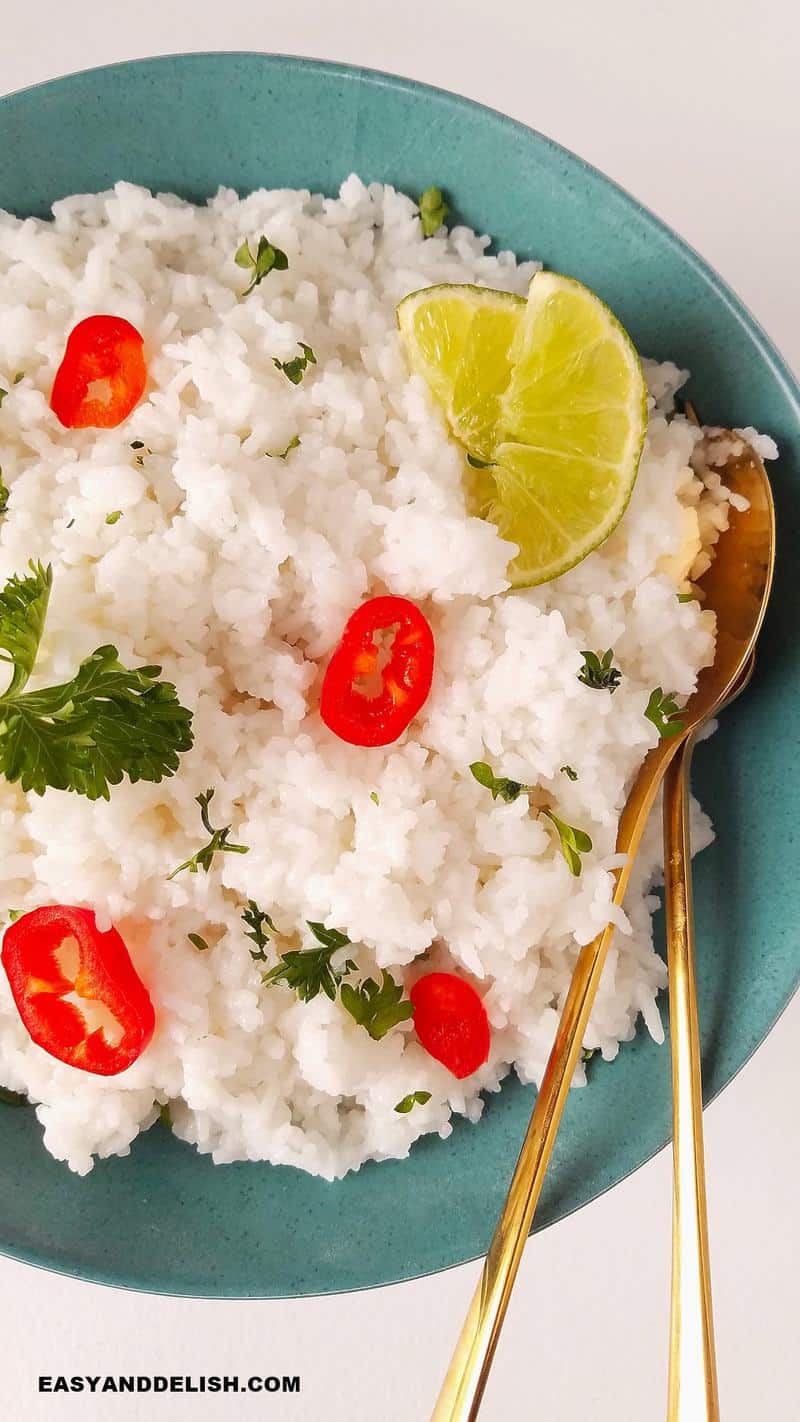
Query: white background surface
{"points": [[693, 107]]}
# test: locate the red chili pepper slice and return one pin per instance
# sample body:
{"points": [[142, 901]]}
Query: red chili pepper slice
{"points": [[451, 1022], [380, 674], [105, 976], [102, 376]]}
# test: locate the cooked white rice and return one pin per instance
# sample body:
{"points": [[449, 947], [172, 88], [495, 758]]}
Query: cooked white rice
{"points": [[236, 572]]}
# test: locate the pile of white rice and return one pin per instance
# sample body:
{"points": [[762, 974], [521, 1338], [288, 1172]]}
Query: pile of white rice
{"points": [[236, 571]]}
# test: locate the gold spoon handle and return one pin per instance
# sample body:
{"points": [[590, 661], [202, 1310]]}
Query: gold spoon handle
{"points": [[462, 1390], [692, 1365], [466, 1378]]}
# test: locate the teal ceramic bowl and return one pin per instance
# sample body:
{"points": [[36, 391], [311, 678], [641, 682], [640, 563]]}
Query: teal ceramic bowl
{"points": [[166, 1219]]}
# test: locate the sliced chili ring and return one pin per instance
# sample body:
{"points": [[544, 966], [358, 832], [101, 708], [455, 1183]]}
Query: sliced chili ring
{"points": [[104, 976], [380, 674], [102, 375], [451, 1022]]}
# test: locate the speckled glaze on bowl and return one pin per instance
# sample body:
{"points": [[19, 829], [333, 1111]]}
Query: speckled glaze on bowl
{"points": [[165, 1219]]}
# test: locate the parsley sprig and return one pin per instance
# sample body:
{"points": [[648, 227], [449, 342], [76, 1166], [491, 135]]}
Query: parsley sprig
{"points": [[5, 495], [309, 970], [501, 787], [377, 1009], [574, 842], [414, 1098], [87, 733], [265, 259], [218, 842], [599, 672], [295, 369], [261, 927], [664, 712], [432, 211]]}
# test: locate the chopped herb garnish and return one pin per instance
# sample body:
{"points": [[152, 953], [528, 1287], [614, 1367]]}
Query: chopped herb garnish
{"points": [[198, 941], [20, 375], [295, 369], [375, 797], [574, 842], [260, 263], [376, 1009], [114, 517], [414, 1098], [5, 495], [479, 463], [86, 734], [432, 211], [664, 712], [686, 597], [14, 914], [294, 443], [500, 786], [309, 970], [261, 926], [588, 1052], [217, 842], [569, 771], [3, 394], [598, 672], [12, 1098], [140, 449]]}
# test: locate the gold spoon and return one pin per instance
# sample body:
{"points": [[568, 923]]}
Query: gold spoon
{"points": [[693, 1394], [736, 588]]}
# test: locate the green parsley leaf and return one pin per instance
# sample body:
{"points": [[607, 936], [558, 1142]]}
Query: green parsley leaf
{"points": [[574, 842], [14, 914], [295, 369], [507, 790], [432, 211], [686, 597], [414, 1098], [570, 773], [664, 712], [309, 970], [87, 733], [376, 1009], [114, 517], [294, 443], [258, 922], [5, 495], [598, 672], [12, 1098], [3, 394], [217, 842], [23, 609], [260, 263], [375, 797], [476, 463], [20, 375], [198, 941]]}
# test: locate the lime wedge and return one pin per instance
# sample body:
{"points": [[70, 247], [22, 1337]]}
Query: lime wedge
{"points": [[552, 394], [459, 338]]}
